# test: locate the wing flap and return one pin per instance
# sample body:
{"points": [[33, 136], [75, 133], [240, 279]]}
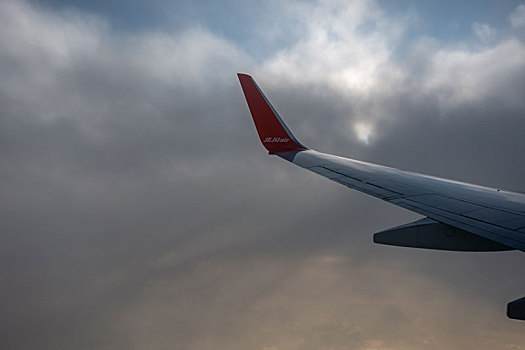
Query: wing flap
{"points": [[430, 234]]}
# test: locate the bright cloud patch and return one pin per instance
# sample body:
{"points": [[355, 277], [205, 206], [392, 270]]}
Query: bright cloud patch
{"points": [[346, 45], [363, 131], [462, 76], [517, 18], [484, 32]]}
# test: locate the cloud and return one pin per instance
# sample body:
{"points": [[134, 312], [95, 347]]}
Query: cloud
{"points": [[484, 31], [355, 53], [478, 74], [517, 18], [363, 131], [140, 210]]}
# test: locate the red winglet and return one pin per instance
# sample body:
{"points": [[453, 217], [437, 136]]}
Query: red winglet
{"points": [[274, 134]]}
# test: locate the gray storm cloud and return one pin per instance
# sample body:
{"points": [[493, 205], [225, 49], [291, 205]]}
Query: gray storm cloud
{"points": [[141, 212]]}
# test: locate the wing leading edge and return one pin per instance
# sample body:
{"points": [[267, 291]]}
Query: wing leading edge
{"points": [[459, 216]]}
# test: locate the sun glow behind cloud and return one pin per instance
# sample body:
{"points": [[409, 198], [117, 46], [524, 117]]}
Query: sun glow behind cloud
{"points": [[363, 131]]}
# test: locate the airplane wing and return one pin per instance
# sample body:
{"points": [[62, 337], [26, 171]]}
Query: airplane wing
{"points": [[458, 216]]}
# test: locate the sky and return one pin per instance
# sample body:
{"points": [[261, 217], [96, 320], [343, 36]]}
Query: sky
{"points": [[141, 212]]}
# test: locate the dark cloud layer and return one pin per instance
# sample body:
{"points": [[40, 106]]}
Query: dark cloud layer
{"points": [[141, 212]]}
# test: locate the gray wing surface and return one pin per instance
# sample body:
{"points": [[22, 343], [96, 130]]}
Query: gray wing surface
{"points": [[494, 214]]}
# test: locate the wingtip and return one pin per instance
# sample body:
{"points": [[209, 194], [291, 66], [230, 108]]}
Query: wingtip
{"points": [[273, 133], [243, 75]]}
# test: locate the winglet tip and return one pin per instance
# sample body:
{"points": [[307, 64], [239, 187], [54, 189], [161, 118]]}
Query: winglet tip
{"points": [[273, 133], [244, 76]]}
